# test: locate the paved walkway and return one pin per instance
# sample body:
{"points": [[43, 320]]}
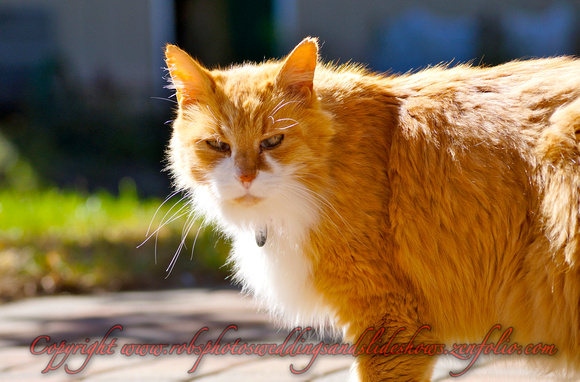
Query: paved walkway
{"points": [[172, 318]]}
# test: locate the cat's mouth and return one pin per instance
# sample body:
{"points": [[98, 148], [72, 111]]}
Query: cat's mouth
{"points": [[248, 200]]}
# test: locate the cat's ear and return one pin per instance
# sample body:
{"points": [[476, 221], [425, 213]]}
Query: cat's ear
{"points": [[190, 80], [297, 73]]}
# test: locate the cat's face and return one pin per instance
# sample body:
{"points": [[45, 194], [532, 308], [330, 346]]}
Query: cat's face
{"points": [[249, 141]]}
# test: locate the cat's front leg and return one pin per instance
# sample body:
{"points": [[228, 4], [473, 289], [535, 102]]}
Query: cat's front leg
{"points": [[375, 368], [396, 347]]}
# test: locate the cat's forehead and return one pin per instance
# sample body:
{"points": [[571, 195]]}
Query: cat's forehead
{"points": [[244, 82]]}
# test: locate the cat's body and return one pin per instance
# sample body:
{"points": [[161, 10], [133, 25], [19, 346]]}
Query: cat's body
{"points": [[450, 197]]}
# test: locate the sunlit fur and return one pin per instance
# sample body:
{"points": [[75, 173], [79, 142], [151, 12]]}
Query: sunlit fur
{"points": [[449, 197]]}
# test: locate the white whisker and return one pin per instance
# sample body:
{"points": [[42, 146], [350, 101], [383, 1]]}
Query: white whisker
{"points": [[187, 228], [176, 215], [165, 99], [163, 223], [158, 208], [156, 233], [277, 109], [195, 240], [286, 119]]}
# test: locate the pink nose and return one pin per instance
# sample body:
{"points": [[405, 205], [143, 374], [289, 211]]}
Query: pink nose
{"points": [[247, 178]]}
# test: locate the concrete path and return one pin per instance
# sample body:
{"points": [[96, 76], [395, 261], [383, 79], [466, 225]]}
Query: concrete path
{"points": [[173, 318]]}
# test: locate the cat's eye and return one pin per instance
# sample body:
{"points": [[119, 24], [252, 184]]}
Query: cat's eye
{"points": [[218, 145], [272, 142]]}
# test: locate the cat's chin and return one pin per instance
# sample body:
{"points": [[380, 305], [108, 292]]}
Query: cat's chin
{"points": [[248, 200], [245, 212]]}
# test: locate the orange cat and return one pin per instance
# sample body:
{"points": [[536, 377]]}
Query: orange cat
{"points": [[448, 198]]}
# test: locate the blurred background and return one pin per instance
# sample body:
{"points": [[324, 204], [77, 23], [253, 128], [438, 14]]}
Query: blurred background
{"points": [[84, 114]]}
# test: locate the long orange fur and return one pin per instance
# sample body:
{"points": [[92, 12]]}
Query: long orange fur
{"points": [[449, 197]]}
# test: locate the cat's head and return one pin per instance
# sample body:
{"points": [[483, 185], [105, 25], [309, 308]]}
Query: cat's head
{"points": [[249, 142]]}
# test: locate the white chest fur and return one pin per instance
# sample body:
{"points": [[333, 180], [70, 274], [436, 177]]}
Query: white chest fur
{"points": [[280, 277]]}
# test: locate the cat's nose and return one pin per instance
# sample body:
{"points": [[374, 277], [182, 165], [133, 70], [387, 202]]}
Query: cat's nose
{"points": [[247, 179]]}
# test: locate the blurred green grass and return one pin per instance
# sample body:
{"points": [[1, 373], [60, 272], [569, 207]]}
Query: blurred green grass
{"points": [[54, 241]]}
